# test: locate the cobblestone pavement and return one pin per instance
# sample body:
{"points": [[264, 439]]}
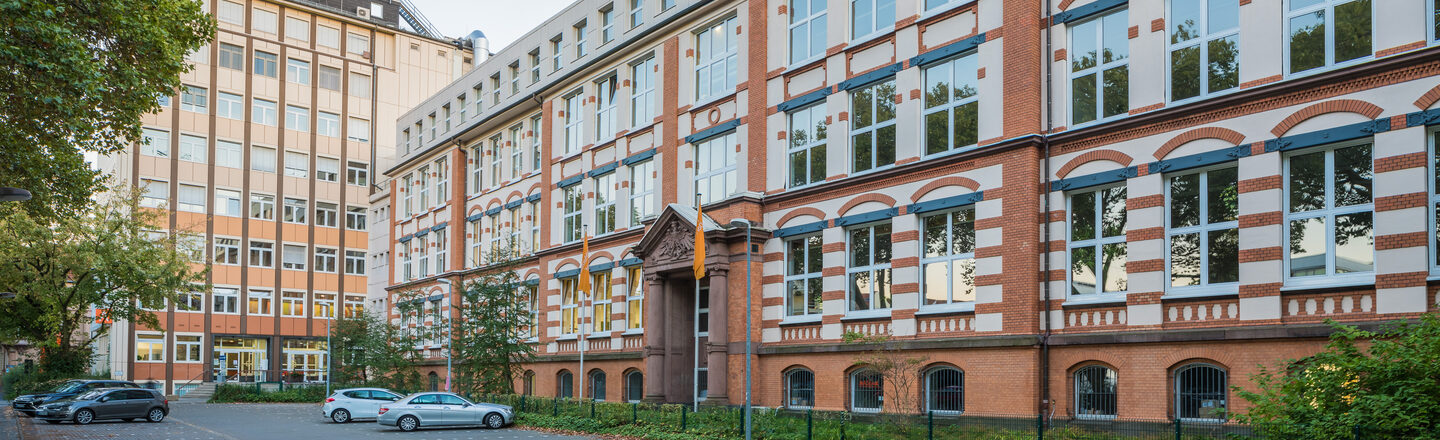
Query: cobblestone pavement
{"points": [[204, 421]]}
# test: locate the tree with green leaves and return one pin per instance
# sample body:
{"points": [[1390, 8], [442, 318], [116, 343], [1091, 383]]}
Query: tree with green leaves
{"points": [[77, 77], [368, 350], [899, 370], [1374, 384], [67, 270]]}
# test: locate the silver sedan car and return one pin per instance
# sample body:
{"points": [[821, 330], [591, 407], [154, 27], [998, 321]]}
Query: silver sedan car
{"points": [[443, 409]]}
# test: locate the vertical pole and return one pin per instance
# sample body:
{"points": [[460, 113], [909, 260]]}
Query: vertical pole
{"points": [[634, 412], [695, 316], [930, 424], [1177, 428], [581, 338], [1040, 426], [329, 353], [556, 410], [748, 409], [592, 408], [810, 424], [683, 410]]}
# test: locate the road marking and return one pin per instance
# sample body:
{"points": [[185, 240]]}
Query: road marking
{"points": [[192, 425]]}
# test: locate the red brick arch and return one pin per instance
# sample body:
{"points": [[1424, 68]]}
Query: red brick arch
{"points": [[942, 182], [534, 189], [818, 214], [872, 197], [1429, 98], [597, 256], [571, 261], [513, 195], [1221, 133], [531, 273], [1356, 106], [1065, 4], [474, 210], [1091, 156], [493, 203]]}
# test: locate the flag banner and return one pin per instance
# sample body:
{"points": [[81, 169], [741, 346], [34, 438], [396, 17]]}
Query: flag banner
{"points": [[584, 285], [699, 243]]}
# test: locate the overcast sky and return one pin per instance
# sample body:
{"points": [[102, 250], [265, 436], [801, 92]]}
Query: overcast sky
{"points": [[503, 21]]}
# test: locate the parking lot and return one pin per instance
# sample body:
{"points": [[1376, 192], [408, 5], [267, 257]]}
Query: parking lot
{"points": [[194, 421]]}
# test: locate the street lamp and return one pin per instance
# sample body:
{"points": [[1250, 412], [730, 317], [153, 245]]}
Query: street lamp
{"points": [[8, 194], [735, 224], [449, 290]]}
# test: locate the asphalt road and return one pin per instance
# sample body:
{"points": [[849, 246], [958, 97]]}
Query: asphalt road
{"points": [[205, 421]]}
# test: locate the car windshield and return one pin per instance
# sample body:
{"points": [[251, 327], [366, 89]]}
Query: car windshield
{"points": [[68, 387]]}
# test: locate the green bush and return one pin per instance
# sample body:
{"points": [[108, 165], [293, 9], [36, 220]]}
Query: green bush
{"points": [[252, 394], [17, 382]]}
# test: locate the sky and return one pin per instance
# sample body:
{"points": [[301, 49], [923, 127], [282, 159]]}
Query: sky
{"points": [[502, 21]]}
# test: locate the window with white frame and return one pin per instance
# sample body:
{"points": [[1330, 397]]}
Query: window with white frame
{"points": [[262, 206], [495, 233], [872, 126], [535, 142], [534, 226], [868, 271], [327, 169], [716, 59], [945, 390], [799, 389], [359, 130], [1201, 391], [257, 301], [266, 64], [557, 45], [150, 347], [297, 164], [477, 155], [262, 254], [580, 49], [642, 191], [635, 299], [605, 108], [297, 71], [264, 21], [1095, 395], [600, 308], [327, 77], [154, 193], [262, 158], [637, 13], [324, 305], [193, 148], [1203, 232], [1204, 47], [442, 250], [231, 12], [807, 135], [642, 92], [155, 142], [407, 272], [871, 17], [422, 251], [517, 155], [190, 302], [232, 57], [1099, 73], [327, 124], [230, 106], [952, 105], [497, 143], [477, 252], [607, 24], [442, 181], [263, 112], [297, 29], [292, 304], [803, 279], [947, 258], [354, 262], [445, 113], [807, 30], [293, 257], [225, 300], [572, 215], [326, 214], [359, 85], [574, 122], [357, 44], [1435, 196], [297, 118], [187, 349], [534, 69], [512, 229], [194, 98], [1328, 32], [190, 198], [357, 173], [295, 210], [1097, 241], [227, 251], [1330, 214], [423, 187], [867, 390], [716, 177], [355, 218], [532, 308], [229, 154], [605, 203], [354, 306], [227, 202], [569, 307]]}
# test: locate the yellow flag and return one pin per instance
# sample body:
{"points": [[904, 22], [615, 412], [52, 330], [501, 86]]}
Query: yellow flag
{"points": [[584, 264], [699, 243]]}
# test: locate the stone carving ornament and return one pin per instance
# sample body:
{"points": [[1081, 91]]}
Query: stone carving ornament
{"points": [[677, 244]]}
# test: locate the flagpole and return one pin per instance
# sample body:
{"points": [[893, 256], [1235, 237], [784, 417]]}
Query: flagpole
{"points": [[584, 272], [695, 314]]}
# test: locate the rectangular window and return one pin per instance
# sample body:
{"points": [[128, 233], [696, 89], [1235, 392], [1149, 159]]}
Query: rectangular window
{"points": [[357, 173], [422, 248], [642, 191], [605, 204], [190, 302], [637, 13], [154, 193], [327, 124], [512, 228], [1099, 75], [295, 210], [359, 86], [229, 154], [354, 306], [872, 126], [194, 99], [262, 254], [514, 77], [327, 169], [355, 218], [297, 164], [1204, 47], [227, 251], [406, 273], [264, 21], [496, 143], [328, 78], [190, 198], [870, 17], [232, 56], [354, 262], [325, 260], [359, 130], [569, 307], [580, 39], [868, 271], [441, 190], [535, 142], [187, 349], [1328, 32], [477, 231], [231, 12], [357, 44], [605, 108], [409, 194], [476, 180], [556, 53], [442, 251], [807, 145], [297, 118], [258, 302], [230, 106], [297, 71], [600, 308], [494, 90], [262, 158], [642, 92], [292, 304], [324, 305], [495, 233], [952, 105], [155, 143], [635, 299], [262, 206], [297, 29], [716, 177], [807, 30], [716, 59], [607, 24], [225, 300], [293, 257], [534, 226], [193, 148], [534, 66], [445, 112], [947, 260], [266, 64], [460, 104], [1203, 232], [327, 36], [517, 154], [227, 202], [326, 213], [803, 279], [574, 122], [263, 112], [150, 347], [572, 201], [1097, 241], [1330, 214]]}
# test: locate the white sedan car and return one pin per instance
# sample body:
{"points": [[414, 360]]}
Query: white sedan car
{"points": [[356, 403]]}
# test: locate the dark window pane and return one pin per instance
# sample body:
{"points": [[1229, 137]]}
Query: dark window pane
{"points": [[1114, 214], [882, 243], [817, 163], [1082, 216], [1224, 63], [1185, 260], [967, 125], [1082, 99], [1117, 91], [1353, 175], [860, 247], [1185, 200], [1224, 256], [1185, 73], [1307, 182], [1307, 41], [798, 173], [935, 240], [962, 231], [1352, 30], [937, 130], [862, 144], [1222, 195], [885, 146]]}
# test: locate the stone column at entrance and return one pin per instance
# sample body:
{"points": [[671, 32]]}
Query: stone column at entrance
{"points": [[654, 339], [718, 347]]}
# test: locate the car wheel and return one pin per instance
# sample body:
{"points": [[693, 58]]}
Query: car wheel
{"points": [[84, 417], [494, 421], [155, 415], [340, 416], [53, 422], [408, 423]]}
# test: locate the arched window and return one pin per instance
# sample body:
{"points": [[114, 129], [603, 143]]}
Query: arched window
{"points": [[634, 386], [565, 385], [799, 389], [867, 391], [1095, 392], [597, 385], [1200, 392], [434, 381], [945, 390], [528, 387]]}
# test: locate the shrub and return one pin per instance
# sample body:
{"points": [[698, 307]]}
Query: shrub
{"points": [[252, 394], [17, 382]]}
